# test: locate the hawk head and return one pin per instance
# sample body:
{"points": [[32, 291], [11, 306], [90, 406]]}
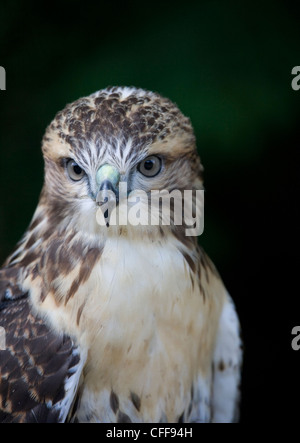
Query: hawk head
{"points": [[114, 136]]}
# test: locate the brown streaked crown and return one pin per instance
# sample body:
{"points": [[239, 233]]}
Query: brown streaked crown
{"points": [[117, 115]]}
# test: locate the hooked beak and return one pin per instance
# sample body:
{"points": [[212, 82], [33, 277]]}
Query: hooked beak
{"points": [[107, 179]]}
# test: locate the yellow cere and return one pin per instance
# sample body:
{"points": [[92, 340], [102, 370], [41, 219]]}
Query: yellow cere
{"points": [[108, 172]]}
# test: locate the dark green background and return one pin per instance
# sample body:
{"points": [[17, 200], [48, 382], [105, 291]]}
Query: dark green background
{"points": [[228, 67]]}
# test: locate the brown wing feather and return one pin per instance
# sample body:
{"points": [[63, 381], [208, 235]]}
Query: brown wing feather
{"points": [[36, 364]]}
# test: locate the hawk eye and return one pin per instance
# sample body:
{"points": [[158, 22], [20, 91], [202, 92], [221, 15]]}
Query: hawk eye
{"points": [[151, 166], [74, 170]]}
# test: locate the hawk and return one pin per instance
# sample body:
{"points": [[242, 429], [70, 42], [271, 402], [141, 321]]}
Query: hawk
{"points": [[108, 322]]}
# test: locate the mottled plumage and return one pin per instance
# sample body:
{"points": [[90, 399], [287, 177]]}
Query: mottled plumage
{"points": [[115, 323]]}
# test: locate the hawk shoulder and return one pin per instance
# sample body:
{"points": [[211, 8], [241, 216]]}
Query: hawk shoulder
{"points": [[39, 368]]}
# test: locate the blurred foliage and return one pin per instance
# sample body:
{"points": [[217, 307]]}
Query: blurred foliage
{"points": [[228, 67]]}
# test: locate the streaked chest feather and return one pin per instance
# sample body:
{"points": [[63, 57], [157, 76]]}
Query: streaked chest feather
{"points": [[148, 332]]}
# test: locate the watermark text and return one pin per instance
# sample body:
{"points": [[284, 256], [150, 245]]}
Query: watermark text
{"points": [[296, 80], [2, 339], [2, 79], [154, 208], [296, 340]]}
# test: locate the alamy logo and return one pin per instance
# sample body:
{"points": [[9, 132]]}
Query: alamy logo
{"points": [[154, 208], [2, 79], [2, 339]]}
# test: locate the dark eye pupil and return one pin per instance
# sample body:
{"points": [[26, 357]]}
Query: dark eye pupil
{"points": [[77, 169], [148, 165]]}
